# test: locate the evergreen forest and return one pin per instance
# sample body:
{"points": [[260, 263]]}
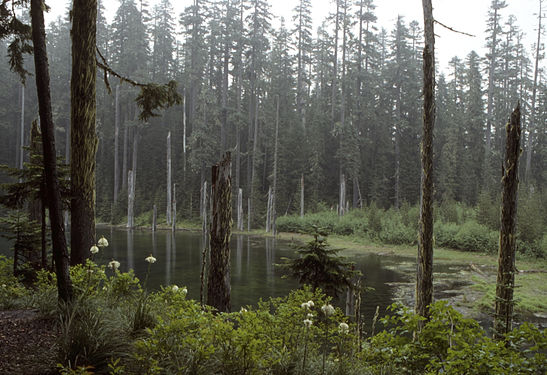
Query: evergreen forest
{"points": [[332, 109]]}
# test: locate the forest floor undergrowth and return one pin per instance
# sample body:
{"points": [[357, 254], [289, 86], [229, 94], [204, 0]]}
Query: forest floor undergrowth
{"points": [[28, 343]]}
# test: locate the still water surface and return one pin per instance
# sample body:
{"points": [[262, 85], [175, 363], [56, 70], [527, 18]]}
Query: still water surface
{"points": [[253, 271]]}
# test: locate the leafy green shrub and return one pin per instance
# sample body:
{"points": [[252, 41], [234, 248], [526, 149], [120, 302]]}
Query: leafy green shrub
{"points": [[473, 236], [394, 232], [445, 234], [11, 290], [531, 223], [488, 210], [450, 344]]}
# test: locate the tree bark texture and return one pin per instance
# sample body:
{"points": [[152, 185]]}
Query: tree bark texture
{"points": [[506, 257], [424, 278], [83, 136], [60, 253], [218, 286]]}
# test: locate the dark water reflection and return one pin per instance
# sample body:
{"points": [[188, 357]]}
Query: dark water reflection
{"points": [[253, 272]]}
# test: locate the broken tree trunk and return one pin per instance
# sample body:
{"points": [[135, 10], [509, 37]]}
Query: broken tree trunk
{"points": [[218, 286], [424, 275], [506, 258]]}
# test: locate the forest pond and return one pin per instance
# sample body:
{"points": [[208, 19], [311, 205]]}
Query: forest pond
{"points": [[253, 271]]}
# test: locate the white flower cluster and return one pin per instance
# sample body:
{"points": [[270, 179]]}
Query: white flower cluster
{"points": [[307, 305], [103, 242], [328, 310], [307, 323], [114, 264], [150, 259], [343, 328]]}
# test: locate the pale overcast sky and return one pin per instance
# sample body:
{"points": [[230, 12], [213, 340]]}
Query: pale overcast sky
{"points": [[465, 15]]}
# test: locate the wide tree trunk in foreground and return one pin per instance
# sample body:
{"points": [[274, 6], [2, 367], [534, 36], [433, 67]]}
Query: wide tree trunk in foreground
{"points": [[506, 258], [424, 276], [60, 254], [83, 136], [218, 285]]}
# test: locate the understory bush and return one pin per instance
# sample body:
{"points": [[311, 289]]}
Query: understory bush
{"points": [[456, 226], [297, 334]]}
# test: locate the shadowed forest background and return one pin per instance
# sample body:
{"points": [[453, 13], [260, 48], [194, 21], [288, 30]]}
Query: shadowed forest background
{"points": [[349, 96]]}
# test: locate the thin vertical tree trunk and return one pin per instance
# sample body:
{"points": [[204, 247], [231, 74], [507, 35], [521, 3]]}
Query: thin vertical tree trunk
{"points": [[116, 145], [154, 218], [424, 277], [130, 199], [506, 259], [218, 286], [169, 199], [274, 190], [83, 136], [254, 162], [302, 196], [240, 209], [60, 253], [124, 156], [268, 210], [534, 92], [335, 68], [342, 202], [21, 150], [174, 216], [203, 207], [490, 102], [184, 132]]}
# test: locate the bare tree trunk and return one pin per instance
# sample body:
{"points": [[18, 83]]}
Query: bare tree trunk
{"points": [[124, 157], [130, 199], [116, 145], [203, 207], [424, 275], [218, 286], [240, 209], [342, 202], [274, 191], [254, 162], [154, 218], [60, 253], [506, 259], [268, 210], [169, 199], [534, 92], [302, 196], [174, 216], [335, 68], [21, 150], [184, 132]]}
